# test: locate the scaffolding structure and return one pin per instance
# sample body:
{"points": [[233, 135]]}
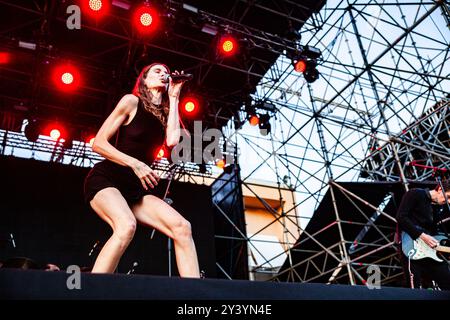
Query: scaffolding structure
{"points": [[378, 113]]}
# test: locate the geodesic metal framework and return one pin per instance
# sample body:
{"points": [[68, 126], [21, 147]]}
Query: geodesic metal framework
{"points": [[379, 112]]}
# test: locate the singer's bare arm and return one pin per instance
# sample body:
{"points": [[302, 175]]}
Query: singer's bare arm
{"points": [[123, 113], [173, 121]]}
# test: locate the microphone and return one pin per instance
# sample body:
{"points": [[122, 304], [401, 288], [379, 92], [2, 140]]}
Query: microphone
{"points": [[12, 240], [178, 77], [131, 271], [93, 247]]}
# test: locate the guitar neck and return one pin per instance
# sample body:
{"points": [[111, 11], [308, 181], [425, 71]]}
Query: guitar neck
{"points": [[442, 249]]}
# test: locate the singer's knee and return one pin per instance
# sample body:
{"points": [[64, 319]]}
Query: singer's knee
{"points": [[182, 231], [125, 230]]}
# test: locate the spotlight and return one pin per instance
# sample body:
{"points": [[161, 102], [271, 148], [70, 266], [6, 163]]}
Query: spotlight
{"points": [[228, 45], [264, 124], [305, 60], [253, 120], [95, 8], [5, 57], [55, 134], [66, 77], [145, 19], [191, 106], [311, 74], [95, 5], [160, 154], [307, 67], [252, 117], [220, 164], [300, 65]]}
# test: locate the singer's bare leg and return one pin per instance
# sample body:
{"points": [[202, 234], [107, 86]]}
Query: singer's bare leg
{"points": [[158, 214], [110, 205]]}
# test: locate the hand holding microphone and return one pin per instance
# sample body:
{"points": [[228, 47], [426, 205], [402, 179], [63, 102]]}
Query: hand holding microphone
{"points": [[178, 80], [178, 77]]}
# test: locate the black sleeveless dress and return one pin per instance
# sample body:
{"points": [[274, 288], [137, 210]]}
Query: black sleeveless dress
{"points": [[142, 138]]}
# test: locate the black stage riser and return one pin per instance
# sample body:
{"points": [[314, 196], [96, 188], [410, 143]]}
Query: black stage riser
{"points": [[31, 284]]}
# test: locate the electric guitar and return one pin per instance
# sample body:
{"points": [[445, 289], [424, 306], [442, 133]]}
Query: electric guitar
{"points": [[418, 249]]}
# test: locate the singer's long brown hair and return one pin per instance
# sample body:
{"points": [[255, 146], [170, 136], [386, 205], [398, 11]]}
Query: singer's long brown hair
{"points": [[140, 90]]}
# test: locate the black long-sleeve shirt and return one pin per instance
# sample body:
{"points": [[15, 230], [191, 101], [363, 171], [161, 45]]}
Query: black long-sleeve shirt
{"points": [[415, 212]]}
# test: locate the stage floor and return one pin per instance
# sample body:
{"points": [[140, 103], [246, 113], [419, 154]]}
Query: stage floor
{"points": [[31, 284]]}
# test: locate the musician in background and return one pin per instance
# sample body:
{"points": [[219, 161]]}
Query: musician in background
{"points": [[417, 217]]}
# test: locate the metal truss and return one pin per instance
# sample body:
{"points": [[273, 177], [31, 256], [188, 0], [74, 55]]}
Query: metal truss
{"points": [[422, 147], [80, 154], [136, 51], [378, 111], [345, 259]]}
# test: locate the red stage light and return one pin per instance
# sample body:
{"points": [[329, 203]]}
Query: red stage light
{"points": [[300, 65], [5, 57], [220, 163], [95, 8], [95, 5], [228, 45], [145, 19], [191, 105], [254, 120], [55, 130], [66, 77], [161, 153], [90, 141], [55, 134]]}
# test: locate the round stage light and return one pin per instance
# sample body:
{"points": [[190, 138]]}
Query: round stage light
{"points": [[67, 78], [5, 57], [228, 45], [254, 120], [189, 106], [55, 134], [146, 19], [220, 164], [95, 5], [161, 153], [300, 65]]}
